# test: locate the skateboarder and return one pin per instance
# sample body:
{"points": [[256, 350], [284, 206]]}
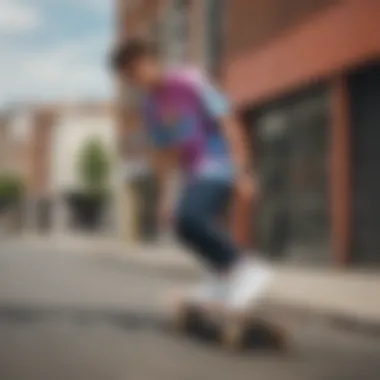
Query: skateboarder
{"points": [[192, 129]]}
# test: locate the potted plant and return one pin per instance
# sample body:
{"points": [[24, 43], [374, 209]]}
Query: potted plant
{"points": [[11, 195], [11, 190], [89, 202]]}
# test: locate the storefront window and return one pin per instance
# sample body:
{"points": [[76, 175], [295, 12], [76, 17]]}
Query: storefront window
{"points": [[364, 92], [176, 38], [214, 13], [291, 155]]}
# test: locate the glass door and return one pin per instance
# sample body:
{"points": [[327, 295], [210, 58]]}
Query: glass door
{"points": [[291, 155]]}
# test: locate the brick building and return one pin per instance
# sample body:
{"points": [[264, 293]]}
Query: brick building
{"points": [[179, 28], [305, 75], [14, 162], [46, 158], [14, 143]]}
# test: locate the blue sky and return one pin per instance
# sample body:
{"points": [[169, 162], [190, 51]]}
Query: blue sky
{"points": [[55, 50]]}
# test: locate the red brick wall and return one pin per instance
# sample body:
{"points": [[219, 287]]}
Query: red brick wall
{"points": [[3, 143], [252, 23], [40, 146], [13, 151], [332, 40], [136, 19]]}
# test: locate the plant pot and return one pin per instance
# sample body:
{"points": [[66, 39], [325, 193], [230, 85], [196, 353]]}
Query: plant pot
{"points": [[87, 209], [7, 203]]}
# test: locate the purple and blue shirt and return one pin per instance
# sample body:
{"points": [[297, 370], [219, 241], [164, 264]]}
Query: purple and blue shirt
{"points": [[184, 113]]}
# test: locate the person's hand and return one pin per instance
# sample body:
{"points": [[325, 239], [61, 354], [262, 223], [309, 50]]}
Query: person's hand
{"points": [[246, 187], [242, 214], [164, 214]]}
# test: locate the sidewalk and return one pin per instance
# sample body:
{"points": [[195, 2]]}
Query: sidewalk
{"points": [[348, 297]]}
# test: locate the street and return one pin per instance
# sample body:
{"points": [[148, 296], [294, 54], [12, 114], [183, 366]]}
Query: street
{"points": [[76, 316]]}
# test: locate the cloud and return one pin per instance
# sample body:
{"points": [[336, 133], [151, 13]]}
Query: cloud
{"points": [[73, 71], [17, 17], [98, 5], [60, 51]]}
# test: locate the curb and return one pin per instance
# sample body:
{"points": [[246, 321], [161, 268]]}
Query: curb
{"points": [[337, 319], [355, 324], [176, 269], [172, 270]]}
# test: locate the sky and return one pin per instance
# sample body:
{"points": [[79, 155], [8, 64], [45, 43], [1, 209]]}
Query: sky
{"points": [[55, 50]]}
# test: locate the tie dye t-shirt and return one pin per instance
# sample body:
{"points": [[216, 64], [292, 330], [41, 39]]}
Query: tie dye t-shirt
{"points": [[184, 113]]}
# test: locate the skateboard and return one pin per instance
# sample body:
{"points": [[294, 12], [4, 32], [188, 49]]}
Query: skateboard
{"points": [[235, 331]]}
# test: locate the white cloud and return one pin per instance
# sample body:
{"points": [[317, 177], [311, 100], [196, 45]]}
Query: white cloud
{"points": [[16, 17], [70, 72], [99, 4]]}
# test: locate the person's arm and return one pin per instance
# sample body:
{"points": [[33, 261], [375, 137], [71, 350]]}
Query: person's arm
{"points": [[165, 164], [233, 130], [219, 108], [164, 161]]}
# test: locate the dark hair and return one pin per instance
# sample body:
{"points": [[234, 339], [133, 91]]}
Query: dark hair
{"points": [[129, 52]]}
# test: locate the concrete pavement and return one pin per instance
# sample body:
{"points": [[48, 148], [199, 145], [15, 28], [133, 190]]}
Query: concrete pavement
{"points": [[348, 297], [67, 314]]}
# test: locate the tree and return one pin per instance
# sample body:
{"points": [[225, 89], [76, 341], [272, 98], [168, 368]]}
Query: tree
{"points": [[94, 166], [11, 190], [11, 186]]}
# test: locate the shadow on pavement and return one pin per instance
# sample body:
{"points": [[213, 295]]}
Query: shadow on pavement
{"points": [[127, 320]]}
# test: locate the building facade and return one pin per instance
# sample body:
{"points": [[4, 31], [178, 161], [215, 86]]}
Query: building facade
{"points": [[305, 76], [73, 128], [14, 163], [177, 28], [57, 133], [14, 143]]}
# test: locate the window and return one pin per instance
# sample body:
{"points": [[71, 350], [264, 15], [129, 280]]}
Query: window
{"points": [[177, 31], [214, 33], [254, 23], [291, 156]]}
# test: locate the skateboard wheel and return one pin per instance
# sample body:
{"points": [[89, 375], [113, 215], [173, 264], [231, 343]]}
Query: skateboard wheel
{"points": [[233, 336], [181, 319], [186, 319], [281, 339]]}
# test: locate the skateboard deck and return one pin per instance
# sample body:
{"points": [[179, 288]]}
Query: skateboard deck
{"points": [[235, 331]]}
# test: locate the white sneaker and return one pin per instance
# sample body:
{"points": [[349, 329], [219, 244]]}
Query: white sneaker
{"points": [[249, 281], [212, 289]]}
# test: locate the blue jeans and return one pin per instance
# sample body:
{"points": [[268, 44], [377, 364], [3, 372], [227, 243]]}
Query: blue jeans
{"points": [[197, 226]]}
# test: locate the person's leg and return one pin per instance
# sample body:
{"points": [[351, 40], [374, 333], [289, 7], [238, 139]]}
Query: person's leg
{"points": [[241, 280], [241, 220], [196, 223]]}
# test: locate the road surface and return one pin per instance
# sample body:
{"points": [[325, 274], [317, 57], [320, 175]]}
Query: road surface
{"points": [[74, 316]]}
